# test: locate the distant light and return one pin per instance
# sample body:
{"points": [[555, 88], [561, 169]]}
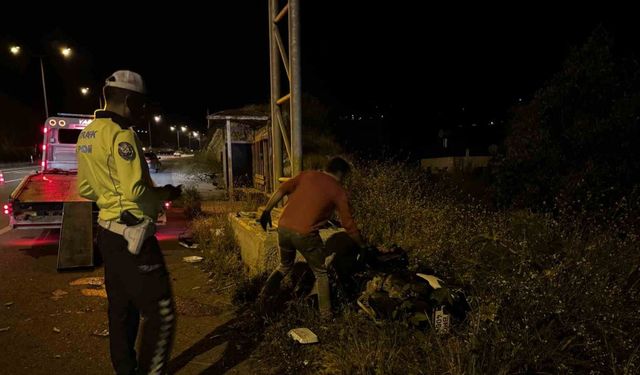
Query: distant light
{"points": [[84, 90], [144, 149], [183, 128], [65, 51], [15, 50], [172, 128], [157, 118]]}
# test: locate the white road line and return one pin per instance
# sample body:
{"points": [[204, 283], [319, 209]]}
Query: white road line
{"points": [[26, 171], [17, 179], [16, 170]]}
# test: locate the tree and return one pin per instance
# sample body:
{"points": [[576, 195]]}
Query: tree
{"points": [[577, 139]]}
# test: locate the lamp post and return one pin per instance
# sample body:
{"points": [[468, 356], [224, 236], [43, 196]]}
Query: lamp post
{"points": [[196, 135], [157, 119], [66, 52], [182, 128]]}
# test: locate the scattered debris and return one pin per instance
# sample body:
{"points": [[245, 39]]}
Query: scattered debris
{"points": [[249, 215], [94, 292], [442, 320], [5, 329], [193, 259], [8, 304], [58, 356], [95, 281], [218, 232], [57, 294], [56, 330], [195, 288], [432, 280], [306, 362], [99, 333], [189, 244], [303, 336], [186, 239]]}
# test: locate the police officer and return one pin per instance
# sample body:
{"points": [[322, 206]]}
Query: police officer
{"points": [[112, 171]]}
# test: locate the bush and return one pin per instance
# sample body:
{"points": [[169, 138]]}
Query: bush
{"points": [[205, 161], [191, 202], [549, 293], [221, 251], [576, 139]]}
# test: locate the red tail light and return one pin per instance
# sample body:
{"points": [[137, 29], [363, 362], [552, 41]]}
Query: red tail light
{"points": [[7, 209], [167, 204]]}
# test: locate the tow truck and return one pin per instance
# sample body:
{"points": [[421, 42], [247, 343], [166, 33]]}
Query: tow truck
{"points": [[37, 202], [49, 198]]}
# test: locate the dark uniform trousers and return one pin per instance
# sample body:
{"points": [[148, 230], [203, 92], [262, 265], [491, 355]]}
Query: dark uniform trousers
{"points": [[137, 285]]}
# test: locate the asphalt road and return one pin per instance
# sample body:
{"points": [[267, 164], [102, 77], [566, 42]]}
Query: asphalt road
{"points": [[48, 326]]}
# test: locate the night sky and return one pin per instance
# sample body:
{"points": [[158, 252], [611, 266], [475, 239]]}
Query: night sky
{"points": [[419, 62]]}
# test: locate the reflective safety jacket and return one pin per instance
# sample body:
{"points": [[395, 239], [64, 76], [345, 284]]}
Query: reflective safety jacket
{"points": [[112, 170]]}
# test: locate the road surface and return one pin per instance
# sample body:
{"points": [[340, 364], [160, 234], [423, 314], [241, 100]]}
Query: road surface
{"points": [[48, 326]]}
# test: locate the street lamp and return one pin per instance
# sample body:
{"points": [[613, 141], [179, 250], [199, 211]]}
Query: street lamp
{"points": [[65, 52], [85, 92], [196, 135], [175, 128], [157, 119], [190, 134]]}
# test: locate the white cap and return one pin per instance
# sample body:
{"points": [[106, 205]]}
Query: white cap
{"points": [[126, 79]]}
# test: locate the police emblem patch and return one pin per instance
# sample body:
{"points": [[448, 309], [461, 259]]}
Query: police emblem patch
{"points": [[125, 150]]}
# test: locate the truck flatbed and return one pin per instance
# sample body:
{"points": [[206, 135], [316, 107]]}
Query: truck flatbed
{"points": [[48, 187]]}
